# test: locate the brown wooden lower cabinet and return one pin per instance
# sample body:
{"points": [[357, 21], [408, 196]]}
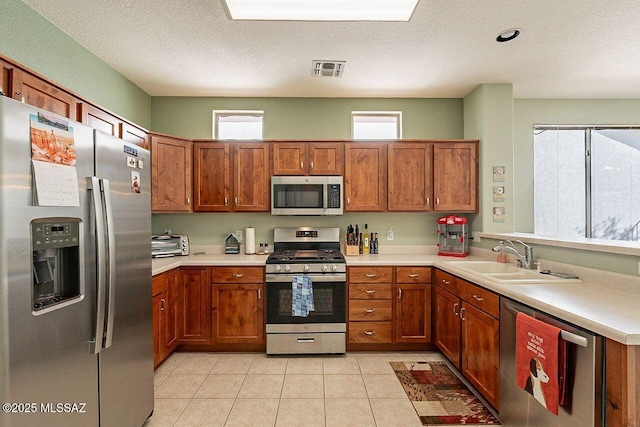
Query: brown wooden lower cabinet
{"points": [[238, 313], [389, 308], [194, 306], [467, 332], [165, 314]]}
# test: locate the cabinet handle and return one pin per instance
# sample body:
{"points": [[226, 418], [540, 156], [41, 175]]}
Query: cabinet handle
{"points": [[162, 303], [312, 165], [477, 298], [461, 316], [369, 332], [236, 201], [455, 306], [301, 165], [446, 282], [370, 291], [369, 310], [226, 201], [370, 275], [428, 201], [414, 275], [437, 200], [237, 275], [399, 293], [259, 293], [348, 201], [188, 200]]}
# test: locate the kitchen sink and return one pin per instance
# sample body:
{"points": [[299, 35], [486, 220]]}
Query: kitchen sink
{"points": [[508, 274]]}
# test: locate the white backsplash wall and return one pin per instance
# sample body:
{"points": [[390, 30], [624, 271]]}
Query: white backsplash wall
{"points": [[212, 228]]}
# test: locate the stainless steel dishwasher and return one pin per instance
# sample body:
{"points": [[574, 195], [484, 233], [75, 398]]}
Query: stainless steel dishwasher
{"points": [[584, 350]]}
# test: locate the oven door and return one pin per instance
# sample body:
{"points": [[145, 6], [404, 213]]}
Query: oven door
{"points": [[329, 296]]}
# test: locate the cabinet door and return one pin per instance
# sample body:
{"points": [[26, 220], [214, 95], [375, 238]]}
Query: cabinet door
{"points": [[41, 94], [171, 311], [170, 174], [194, 306], [326, 158], [251, 177], [238, 313], [98, 119], [455, 176], [289, 158], [447, 330], [410, 177], [5, 78], [134, 135], [211, 177], [413, 313], [481, 351], [365, 177], [158, 344]]}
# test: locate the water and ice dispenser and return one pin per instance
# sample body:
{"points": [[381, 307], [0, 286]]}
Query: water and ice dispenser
{"points": [[55, 244], [452, 236]]}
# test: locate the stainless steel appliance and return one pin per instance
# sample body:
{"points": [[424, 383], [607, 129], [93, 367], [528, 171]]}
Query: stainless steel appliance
{"points": [[75, 281], [519, 408], [306, 195], [313, 253], [166, 245]]}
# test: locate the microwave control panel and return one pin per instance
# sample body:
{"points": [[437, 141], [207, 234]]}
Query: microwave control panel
{"points": [[333, 196]]}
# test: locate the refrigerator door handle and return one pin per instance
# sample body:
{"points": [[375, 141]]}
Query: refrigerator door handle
{"points": [[101, 290], [111, 255]]}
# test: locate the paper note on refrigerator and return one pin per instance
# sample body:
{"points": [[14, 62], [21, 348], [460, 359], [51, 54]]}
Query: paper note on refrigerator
{"points": [[55, 185]]}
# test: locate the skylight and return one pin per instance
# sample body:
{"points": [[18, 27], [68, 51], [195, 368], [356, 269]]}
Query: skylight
{"points": [[320, 10]]}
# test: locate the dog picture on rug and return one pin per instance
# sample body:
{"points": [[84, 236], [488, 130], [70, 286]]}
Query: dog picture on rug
{"points": [[537, 377]]}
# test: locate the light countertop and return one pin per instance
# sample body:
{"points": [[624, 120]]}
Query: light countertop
{"points": [[593, 305]]}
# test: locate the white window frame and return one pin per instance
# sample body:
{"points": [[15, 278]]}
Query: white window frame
{"points": [[226, 113], [396, 114]]}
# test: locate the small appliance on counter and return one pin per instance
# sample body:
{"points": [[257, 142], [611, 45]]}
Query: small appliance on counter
{"points": [[166, 245], [452, 236], [232, 244]]}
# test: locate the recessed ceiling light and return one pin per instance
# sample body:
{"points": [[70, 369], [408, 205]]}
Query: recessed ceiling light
{"points": [[507, 35], [320, 10]]}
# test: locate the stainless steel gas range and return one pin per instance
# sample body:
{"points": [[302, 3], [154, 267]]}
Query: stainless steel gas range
{"points": [[310, 254]]}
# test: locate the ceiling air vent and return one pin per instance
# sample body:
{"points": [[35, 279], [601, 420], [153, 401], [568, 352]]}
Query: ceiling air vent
{"points": [[328, 68]]}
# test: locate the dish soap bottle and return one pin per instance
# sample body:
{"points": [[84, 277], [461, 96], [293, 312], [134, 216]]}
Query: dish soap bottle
{"points": [[365, 245]]}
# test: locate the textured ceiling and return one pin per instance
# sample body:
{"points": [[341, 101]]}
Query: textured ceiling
{"points": [[567, 49]]}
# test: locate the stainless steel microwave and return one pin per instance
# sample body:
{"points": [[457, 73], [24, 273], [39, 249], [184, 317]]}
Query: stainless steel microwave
{"points": [[306, 195]]}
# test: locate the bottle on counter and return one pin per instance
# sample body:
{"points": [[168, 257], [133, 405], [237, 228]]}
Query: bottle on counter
{"points": [[360, 244], [374, 243], [365, 246]]}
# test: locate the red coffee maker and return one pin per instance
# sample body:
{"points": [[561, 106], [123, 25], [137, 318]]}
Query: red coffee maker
{"points": [[452, 236]]}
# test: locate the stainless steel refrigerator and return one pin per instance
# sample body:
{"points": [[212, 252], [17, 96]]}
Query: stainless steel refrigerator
{"points": [[75, 274]]}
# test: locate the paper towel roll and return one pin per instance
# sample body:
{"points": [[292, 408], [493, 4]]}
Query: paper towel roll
{"points": [[250, 241]]}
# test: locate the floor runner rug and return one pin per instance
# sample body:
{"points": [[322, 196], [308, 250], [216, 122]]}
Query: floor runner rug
{"points": [[438, 395]]}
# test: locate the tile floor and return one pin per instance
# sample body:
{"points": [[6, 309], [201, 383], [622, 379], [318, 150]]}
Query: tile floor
{"points": [[239, 389]]}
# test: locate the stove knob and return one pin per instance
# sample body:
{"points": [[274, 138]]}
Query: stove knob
{"points": [[277, 267], [287, 267], [325, 267], [334, 267], [305, 267]]}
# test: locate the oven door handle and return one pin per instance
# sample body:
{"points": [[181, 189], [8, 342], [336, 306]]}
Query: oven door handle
{"points": [[288, 278]]}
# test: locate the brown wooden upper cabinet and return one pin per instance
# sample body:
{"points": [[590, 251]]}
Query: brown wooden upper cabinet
{"points": [[410, 176], [134, 135], [171, 174], [365, 177], [98, 119], [231, 177], [308, 158], [41, 94], [455, 176]]}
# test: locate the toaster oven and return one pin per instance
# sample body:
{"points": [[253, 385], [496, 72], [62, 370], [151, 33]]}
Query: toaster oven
{"points": [[166, 245]]}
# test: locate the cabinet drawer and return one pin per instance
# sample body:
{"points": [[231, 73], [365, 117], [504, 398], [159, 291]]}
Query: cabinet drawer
{"points": [[482, 298], [413, 275], [373, 291], [370, 274], [370, 332], [375, 309], [237, 275], [447, 281]]}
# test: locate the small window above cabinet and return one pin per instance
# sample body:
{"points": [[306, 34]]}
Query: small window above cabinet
{"points": [[308, 158]]}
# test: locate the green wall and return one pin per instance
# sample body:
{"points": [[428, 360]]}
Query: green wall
{"points": [[33, 41], [305, 118]]}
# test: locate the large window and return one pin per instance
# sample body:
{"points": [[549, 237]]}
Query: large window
{"points": [[586, 182], [237, 124], [376, 124]]}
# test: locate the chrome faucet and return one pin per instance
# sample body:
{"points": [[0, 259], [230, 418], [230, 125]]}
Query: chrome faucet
{"points": [[524, 260]]}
